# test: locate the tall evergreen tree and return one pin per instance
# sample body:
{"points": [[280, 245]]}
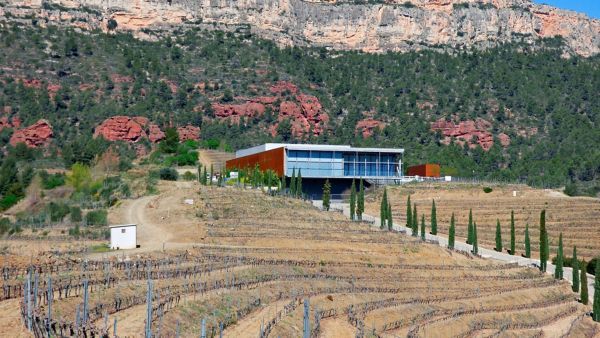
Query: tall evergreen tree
{"points": [[527, 242], [475, 244], [353, 201], [390, 221], [360, 204], [293, 183], [299, 192], [451, 233], [543, 242], [200, 173], [513, 238], [415, 222], [283, 184], [585, 298], [433, 219], [383, 209], [204, 174], [408, 213], [498, 236], [326, 195], [423, 227], [211, 175], [558, 270], [575, 265], [596, 308], [470, 228]]}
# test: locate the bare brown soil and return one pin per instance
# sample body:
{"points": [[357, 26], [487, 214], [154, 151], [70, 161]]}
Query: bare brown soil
{"points": [[249, 261]]}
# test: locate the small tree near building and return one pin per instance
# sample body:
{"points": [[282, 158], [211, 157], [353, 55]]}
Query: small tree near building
{"points": [[451, 233], [433, 219], [299, 190], [383, 209], [408, 213], [360, 204], [326, 195], [353, 201], [390, 221], [415, 222], [558, 270]]}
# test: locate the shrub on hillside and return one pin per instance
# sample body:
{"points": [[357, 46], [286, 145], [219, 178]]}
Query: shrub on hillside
{"points": [[76, 214], [96, 217], [4, 225], [487, 190], [51, 181], [168, 174], [57, 211]]}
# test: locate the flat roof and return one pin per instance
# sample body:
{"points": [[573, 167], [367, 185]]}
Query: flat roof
{"points": [[122, 225], [315, 147]]}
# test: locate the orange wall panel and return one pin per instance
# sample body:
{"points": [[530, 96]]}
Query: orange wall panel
{"points": [[270, 159], [424, 170]]}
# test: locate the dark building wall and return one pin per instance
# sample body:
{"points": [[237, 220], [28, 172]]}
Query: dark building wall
{"points": [[313, 187]]}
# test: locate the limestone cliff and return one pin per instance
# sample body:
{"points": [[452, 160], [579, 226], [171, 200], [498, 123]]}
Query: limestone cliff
{"points": [[373, 26]]}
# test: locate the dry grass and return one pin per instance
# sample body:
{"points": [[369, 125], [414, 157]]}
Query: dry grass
{"points": [[279, 251]]}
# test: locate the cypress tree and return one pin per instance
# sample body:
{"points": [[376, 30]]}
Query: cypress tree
{"points": [[408, 213], [543, 242], [299, 184], [360, 204], [204, 173], [383, 209], [433, 219], [575, 265], [423, 227], [470, 228], [390, 221], [415, 222], [211, 174], [200, 173], [584, 287], [558, 270], [475, 244], [527, 242], [512, 233], [451, 232], [498, 236], [283, 184], [596, 308], [293, 183], [326, 195], [353, 201]]}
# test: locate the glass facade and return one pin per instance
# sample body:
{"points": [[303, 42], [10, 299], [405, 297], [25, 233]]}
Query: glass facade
{"points": [[342, 164]]}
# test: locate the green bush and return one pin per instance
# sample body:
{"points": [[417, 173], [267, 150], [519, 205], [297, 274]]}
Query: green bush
{"points": [[168, 174], [96, 217], [57, 211], [8, 201], [487, 190], [76, 214], [4, 225], [188, 176], [51, 181]]}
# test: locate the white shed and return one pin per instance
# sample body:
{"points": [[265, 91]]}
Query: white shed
{"points": [[123, 236]]}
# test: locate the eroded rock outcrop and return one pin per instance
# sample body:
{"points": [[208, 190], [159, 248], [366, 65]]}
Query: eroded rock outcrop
{"points": [[368, 126], [396, 25], [134, 129], [38, 134], [188, 133], [472, 133]]}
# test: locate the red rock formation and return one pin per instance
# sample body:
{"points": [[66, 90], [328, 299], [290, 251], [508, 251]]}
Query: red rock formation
{"points": [[5, 122], [155, 134], [188, 132], [122, 128], [235, 111], [36, 135], [504, 139], [466, 132], [283, 86], [367, 126]]}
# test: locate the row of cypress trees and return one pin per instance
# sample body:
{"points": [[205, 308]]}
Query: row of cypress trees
{"points": [[295, 183]]}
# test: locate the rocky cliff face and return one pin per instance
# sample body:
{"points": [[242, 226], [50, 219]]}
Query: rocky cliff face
{"points": [[392, 25]]}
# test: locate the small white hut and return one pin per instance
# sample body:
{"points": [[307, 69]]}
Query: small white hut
{"points": [[123, 236]]}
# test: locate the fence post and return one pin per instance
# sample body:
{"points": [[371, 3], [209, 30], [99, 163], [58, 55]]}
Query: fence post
{"points": [[85, 301], [28, 294], [306, 318], [115, 328], [203, 329], [149, 310], [50, 294]]}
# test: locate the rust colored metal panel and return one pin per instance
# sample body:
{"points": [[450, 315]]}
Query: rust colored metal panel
{"points": [[270, 159], [424, 170]]}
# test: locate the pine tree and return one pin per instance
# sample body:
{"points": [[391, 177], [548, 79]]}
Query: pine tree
{"points": [[451, 232], [512, 233], [423, 227], [558, 269], [293, 183], [433, 219], [470, 228], [575, 265], [390, 221], [360, 204], [414, 223], [353, 201], [498, 236], [299, 192], [408, 213], [527, 242], [475, 244], [584, 287], [326, 195], [383, 209], [543, 242], [596, 308]]}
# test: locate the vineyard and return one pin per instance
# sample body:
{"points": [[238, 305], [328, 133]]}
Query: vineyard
{"points": [[257, 265], [576, 217]]}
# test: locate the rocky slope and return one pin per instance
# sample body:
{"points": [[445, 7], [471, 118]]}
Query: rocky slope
{"points": [[392, 25]]}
